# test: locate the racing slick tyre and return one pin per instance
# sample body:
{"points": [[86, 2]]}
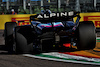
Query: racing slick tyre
{"points": [[23, 39], [8, 33], [86, 35]]}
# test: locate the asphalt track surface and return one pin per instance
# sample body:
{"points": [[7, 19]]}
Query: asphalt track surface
{"points": [[13, 60]]}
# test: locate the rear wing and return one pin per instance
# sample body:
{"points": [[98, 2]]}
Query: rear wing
{"points": [[54, 17]]}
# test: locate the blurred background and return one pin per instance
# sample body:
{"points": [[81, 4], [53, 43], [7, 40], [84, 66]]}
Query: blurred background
{"points": [[34, 6]]}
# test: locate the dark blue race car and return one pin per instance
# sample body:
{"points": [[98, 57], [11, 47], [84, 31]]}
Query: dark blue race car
{"points": [[50, 32]]}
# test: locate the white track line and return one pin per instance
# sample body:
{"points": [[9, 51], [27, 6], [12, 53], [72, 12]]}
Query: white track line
{"points": [[97, 37], [29, 55], [67, 56]]}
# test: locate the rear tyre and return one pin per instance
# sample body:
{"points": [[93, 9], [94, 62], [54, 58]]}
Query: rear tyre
{"points": [[8, 33], [86, 35], [24, 39]]}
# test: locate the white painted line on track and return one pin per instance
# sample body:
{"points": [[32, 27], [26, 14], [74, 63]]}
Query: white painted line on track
{"points": [[97, 37], [54, 59], [61, 55]]}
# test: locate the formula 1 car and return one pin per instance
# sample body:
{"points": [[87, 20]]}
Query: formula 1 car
{"points": [[53, 31]]}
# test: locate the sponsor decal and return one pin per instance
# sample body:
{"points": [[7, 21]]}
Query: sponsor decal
{"points": [[21, 20], [62, 14], [95, 19]]}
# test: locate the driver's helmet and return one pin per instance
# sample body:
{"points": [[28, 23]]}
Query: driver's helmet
{"points": [[46, 10]]}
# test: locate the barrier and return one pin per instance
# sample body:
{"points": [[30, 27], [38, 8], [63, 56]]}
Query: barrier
{"points": [[10, 18], [95, 17]]}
